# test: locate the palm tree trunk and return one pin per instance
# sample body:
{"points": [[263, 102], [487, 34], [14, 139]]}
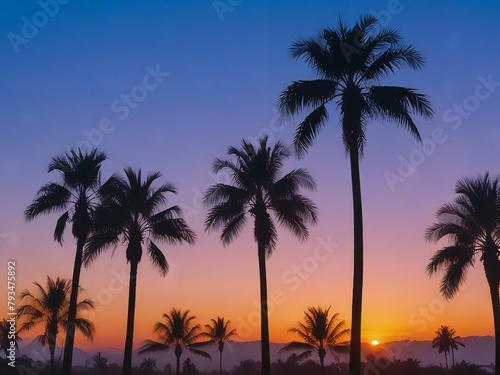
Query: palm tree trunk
{"points": [[127, 355], [52, 351], [220, 361], [446, 358], [70, 327], [264, 326], [178, 363], [357, 286], [495, 300]]}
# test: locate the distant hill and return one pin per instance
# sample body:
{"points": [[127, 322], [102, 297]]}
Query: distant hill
{"points": [[478, 350]]}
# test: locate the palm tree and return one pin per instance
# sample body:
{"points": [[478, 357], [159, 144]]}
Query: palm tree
{"points": [[148, 366], [177, 331], [50, 306], [130, 211], [218, 333], [318, 334], [471, 223], [442, 342], [349, 63], [258, 190], [5, 337], [75, 196], [100, 363]]}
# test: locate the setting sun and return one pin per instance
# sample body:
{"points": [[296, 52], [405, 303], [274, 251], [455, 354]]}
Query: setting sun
{"points": [[375, 342]]}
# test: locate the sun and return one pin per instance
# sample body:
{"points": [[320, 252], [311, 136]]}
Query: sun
{"points": [[375, 342]]}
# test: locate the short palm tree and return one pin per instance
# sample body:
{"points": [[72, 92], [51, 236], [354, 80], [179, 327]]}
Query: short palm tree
{"points": [[148, 366], [218, 333], [178, 331], [5, 337], [132, 210], [75, 197], [49, 306], [349, 64], [471, 223], [259, 188], [442, 342], [320, 333]]}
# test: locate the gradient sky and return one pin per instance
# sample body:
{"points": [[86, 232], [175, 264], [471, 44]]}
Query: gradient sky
{"points": [[225, 73]]}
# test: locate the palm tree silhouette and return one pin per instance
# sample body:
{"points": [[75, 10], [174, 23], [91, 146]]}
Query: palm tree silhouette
{"points": [[148, 366], [75, 196], [471, 223], [178, 331], [257, 191], [5, 339], [318, 334], [442, 342], [130, 210], [218, 333], [349, 63], [49, 306]]}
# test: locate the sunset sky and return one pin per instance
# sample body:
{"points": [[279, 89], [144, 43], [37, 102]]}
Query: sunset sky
{"points": [[219, 71]]}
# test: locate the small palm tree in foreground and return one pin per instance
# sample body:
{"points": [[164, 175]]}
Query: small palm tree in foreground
{"points": [[132, 210], [349, 64], [218, 333], [259, 188], [320, 333], [446, 341], [75, 196], [49, 306], [178, 331], [471, 223], [148, 366]]}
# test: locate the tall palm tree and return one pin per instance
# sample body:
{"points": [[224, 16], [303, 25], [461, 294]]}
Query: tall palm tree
{"points": [[49, 306], [75, 196], [218, 333], [320, 333], [259, 190], [5, 337], [471, 223], [442, 342], [349, 64], [178, 331], [132, 210]]}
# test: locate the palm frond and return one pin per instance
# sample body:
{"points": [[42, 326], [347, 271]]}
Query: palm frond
{"points": [[305, 94], [308, 129]]}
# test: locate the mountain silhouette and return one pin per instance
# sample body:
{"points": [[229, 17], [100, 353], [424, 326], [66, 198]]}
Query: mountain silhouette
{"points": [[478, 350]]}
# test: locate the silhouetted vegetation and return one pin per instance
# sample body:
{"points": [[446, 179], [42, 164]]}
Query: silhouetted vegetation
{"points": [[471, 223], [258, 191], [349, 63], [179, 332], [320, 333], [76, 197], [132, 210]]}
